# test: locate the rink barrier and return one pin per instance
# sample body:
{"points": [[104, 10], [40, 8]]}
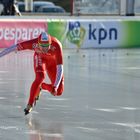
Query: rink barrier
{"points": [[74, 33]]}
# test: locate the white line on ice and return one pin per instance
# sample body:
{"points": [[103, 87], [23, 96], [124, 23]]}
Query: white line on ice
{"points": [[129, 108], [115, 109], [9, 127], [58, 99], [4, 71], [106, 109], [1, 98], [131, 68], [88, 129], [18, 107], [129, 125]]}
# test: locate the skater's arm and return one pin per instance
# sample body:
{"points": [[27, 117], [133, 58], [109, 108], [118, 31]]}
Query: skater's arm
{"points": [[59, 74], [18, 47], [26, 45], [59, 65], [8, 50]]}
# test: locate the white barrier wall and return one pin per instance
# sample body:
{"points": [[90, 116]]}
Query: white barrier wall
{"points": [[73, 33]]}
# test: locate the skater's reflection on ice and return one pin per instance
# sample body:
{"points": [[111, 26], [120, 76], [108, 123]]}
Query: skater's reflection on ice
{"points": [[40, 131]]}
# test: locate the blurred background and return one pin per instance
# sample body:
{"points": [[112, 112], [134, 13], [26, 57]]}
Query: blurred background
{"points": [[70, 7]]}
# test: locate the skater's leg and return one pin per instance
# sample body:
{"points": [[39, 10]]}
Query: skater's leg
{"points": [[39, 69], [46, 86], [35, 88]]}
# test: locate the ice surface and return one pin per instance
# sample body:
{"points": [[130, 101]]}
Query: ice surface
{"points": [[100, 101]]}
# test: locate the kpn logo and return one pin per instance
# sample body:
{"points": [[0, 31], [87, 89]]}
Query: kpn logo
{"points": [[76, 33]]}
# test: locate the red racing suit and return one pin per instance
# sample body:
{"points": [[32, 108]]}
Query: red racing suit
{"points": [[45, 63]]}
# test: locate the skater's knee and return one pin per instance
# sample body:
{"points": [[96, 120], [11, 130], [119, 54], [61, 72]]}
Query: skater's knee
{"points": [[59, 93], [46, 87], [40, 76]]}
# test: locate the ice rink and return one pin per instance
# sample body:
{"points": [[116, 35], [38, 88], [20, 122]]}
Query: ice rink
{"points": [[101, 100]]}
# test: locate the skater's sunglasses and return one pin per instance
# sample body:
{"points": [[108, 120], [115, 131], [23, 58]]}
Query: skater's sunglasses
{"points": [[44, 45]]}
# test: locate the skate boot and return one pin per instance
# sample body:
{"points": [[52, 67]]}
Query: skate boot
{"points": [[28, 109], [37, 97]]}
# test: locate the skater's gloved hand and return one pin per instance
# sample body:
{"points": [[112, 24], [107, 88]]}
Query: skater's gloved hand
{"points": [[54, 91]]}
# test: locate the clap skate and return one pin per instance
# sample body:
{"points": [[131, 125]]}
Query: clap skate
{"points": [[28, 109]]}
